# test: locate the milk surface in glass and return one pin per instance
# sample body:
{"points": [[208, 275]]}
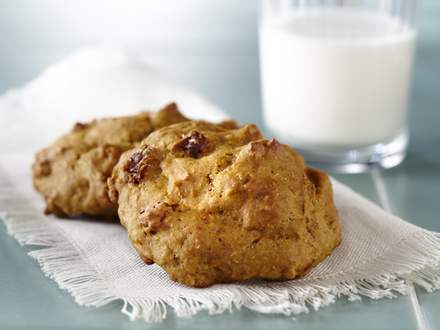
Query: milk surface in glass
{"points": [[335, 78]]}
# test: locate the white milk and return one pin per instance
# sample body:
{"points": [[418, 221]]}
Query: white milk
{"points": [[335, 78]]}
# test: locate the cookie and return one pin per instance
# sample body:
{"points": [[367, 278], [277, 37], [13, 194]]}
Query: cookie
{"points": [[214, 205], [72, 173]]}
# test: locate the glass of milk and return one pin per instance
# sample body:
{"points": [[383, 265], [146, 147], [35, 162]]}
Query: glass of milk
{"points": [[335, 79]]}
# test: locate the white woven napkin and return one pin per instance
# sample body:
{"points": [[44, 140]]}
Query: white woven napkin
{"points": [[380, 255]]}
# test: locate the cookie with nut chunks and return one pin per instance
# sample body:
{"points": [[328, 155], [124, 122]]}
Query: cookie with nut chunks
{"points": [[72, 173], [213, 205]]}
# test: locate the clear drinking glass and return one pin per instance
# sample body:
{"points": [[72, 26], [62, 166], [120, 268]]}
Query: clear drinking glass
{"points": [[335, 79]]}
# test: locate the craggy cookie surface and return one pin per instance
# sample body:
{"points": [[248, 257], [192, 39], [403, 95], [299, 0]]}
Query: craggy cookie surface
{"points": [[72, 173], [212, 205]]}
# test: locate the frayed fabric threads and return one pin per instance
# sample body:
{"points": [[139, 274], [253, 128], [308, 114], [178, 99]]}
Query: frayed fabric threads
{"points": [[60, 249]]}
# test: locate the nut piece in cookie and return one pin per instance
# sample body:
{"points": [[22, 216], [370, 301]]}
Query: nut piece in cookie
{"points": [[192, 145], [142, 163], [211, 205], [72, 173]]}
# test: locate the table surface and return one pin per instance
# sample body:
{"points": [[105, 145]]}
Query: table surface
{"points": [[28, 300]]}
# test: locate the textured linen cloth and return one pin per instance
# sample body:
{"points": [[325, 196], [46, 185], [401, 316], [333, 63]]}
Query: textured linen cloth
{"points": [[380, 255]]}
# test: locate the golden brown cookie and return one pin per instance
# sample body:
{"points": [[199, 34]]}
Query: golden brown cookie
{"points": [[212, 205], [72, 173]]}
